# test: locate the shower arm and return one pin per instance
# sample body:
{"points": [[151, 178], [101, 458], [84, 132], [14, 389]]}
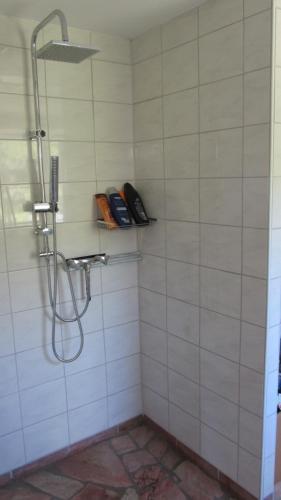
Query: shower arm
{"points": [[39, 133]]}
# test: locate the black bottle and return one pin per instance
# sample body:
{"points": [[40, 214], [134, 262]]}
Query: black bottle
{"points": [[135, 205]]}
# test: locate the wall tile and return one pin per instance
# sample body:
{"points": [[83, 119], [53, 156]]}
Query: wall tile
{"points": [[76, 161], [221, 153], [123, 373], [124, 406], [184, 427], [249, 472], [254, 6], [92, 355], [183, 320], [8, 378], [221, 105], [113, 122], [112, 82], [147, 120], [155, 376], [184, 393], [152, 308], [85, 387], [87, 421], [6, 335], [15, 31], [153, 343], [183, 357], [219, 375], [182, 157], [121, 341], [251, 390], [219, 451], [183, 241], [17, 165], [182, 200], [10, 415], [155, 407], [257, 89], [152, 194], [43, 401], [179, 30], [76, 202], [255, 243], [221, 247], [70, 120], [180, 68], [221, 201], [16, 77], [112, 48], [12, 449], [146, 45], [252, 346], [118, 277], [38, 366], [250, 432], [220, 414], [217, 13], [152, 239], [120, 307], [46, 437], [256, 151], [257, 50], [181, 113], [221, 54], [152, 274], [220, 292], [114, 161], [220, 334], [147, 79], [256, 202], [254, 297], [69, 80], [183, 281], [149, 160]]}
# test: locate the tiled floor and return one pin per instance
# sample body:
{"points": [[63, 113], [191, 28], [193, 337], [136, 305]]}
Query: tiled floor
{"points": [[138, 464]]}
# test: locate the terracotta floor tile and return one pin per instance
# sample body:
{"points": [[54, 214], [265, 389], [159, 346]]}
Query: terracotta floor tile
{"points": [[149, 476], [166, 490], [22, 492], [142, 435], [59, 486], [171, 458], [157, 447], [196, 483], [137, 459], [123, 444], [97, 464], [92, 492]]}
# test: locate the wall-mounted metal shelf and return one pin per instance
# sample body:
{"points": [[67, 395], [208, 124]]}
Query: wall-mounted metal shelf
{"points": [[111, 227]]}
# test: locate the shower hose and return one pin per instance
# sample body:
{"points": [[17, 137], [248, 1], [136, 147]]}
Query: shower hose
{"points": [[54, 292]]}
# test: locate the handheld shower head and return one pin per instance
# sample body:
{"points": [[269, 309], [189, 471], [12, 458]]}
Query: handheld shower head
{"points": [[64, 51], [54, 181]]}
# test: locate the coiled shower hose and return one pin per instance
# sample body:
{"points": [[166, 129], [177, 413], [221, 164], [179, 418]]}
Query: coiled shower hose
{"points": [[54, 292]]}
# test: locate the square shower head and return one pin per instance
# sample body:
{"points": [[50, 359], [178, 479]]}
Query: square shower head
{"points": [[65, 52]]}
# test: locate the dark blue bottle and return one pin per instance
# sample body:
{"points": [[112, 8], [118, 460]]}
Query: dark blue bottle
{"points": [[118, 208]]}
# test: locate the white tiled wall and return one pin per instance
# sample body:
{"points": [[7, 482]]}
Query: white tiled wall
{"points": [[87, 113], [274, 289], [202, 114]]}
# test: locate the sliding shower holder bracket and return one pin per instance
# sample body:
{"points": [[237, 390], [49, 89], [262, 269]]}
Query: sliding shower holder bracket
{"points": [[35, 134], [43, 231]]}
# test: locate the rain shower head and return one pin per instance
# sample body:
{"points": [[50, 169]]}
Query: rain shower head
{"points": [[65, 52]]}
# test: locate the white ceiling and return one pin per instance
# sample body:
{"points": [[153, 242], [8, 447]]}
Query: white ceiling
{"points": [[128, 18]]}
